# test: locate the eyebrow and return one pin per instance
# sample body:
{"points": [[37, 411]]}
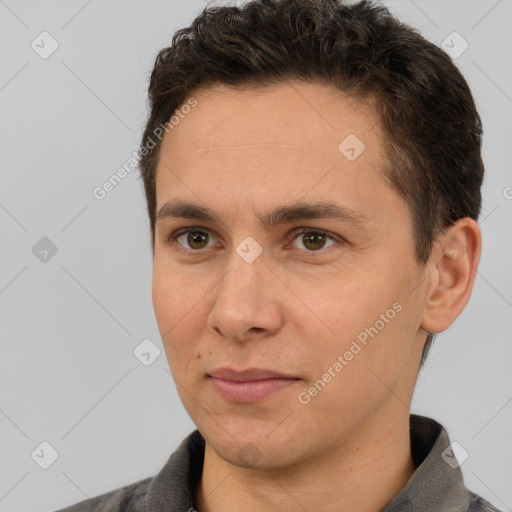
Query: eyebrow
{"points": [[176, 208]]}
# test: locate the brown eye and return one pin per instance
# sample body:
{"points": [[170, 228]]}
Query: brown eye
{"points": [[313, 240], [190, 240], [193, 240], [196, 239]]}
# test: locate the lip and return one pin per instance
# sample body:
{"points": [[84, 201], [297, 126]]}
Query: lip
{"points": [[249, 385], [247, 375]]}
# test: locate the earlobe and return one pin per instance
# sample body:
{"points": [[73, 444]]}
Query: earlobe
{"points": [[455, 258]]}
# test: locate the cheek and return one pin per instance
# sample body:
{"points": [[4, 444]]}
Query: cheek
{"points": [[339, 308], [173, 298], [176, 309], [363, 316]]}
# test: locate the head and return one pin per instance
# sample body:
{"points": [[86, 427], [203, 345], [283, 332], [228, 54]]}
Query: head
{"points": [[322, 103]]}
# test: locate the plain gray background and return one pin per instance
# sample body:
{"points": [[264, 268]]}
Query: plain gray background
{"points": [[69, 324]]}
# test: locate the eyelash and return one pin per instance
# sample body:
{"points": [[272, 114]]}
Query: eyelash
{"points": [[297, 232]]}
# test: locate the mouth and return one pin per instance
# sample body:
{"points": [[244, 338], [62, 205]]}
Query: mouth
{"points": [[249, 385]]}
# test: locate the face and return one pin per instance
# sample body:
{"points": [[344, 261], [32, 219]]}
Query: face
{"points": [[332, 302]]}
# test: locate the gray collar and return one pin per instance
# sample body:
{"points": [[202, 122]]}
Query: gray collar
{"points": [[435, 485]]}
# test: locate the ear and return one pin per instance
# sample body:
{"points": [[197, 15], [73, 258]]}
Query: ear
{"points": [[454, 262]]}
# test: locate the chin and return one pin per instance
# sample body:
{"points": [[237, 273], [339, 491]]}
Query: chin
{"points": [[265, 448]]}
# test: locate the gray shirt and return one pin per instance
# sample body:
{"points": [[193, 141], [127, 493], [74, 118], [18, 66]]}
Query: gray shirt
{"points": [[436, 485]]}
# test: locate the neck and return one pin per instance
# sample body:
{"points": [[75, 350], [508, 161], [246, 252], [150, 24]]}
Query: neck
{"points": [[364, 474]]}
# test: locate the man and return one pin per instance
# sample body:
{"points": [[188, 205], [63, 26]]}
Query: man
{"points": [[312, 172]]}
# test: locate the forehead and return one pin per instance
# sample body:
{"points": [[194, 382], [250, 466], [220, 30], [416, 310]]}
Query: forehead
{"points": [[284, 113], [289, 139]]}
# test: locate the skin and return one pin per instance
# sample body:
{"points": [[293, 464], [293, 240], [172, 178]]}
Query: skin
{"points": [[295, 308]]}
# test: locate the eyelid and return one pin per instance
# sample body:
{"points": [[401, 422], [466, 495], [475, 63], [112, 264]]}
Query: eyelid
{"points": [[170, 239]]}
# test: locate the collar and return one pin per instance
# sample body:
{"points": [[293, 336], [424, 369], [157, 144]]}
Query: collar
{"points": [[434, 485]]}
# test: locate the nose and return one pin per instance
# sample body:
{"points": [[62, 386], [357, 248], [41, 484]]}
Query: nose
{"points": [[247, 301]]}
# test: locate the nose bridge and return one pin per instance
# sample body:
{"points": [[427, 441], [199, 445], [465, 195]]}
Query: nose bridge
{"points": [[242, 300], [245, 272]]}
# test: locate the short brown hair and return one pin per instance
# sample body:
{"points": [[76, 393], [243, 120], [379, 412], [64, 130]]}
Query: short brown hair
{"points": [[431, 128]]}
